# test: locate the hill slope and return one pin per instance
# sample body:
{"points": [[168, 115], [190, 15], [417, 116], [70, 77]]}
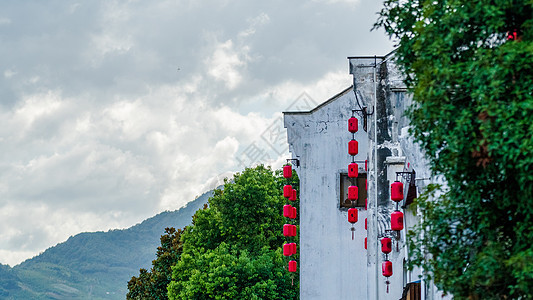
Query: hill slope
{"points": [[94, 265]]}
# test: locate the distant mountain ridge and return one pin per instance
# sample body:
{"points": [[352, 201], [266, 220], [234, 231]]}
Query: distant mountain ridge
{"points": [[93, 265]]}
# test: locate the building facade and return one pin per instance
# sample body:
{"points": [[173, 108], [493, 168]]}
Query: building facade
{"points": [[334, 263]]}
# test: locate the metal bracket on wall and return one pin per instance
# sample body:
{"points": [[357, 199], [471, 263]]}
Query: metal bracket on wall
{"points": [[364, 114]]}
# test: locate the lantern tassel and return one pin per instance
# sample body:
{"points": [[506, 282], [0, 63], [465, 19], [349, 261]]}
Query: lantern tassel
{"points": [[387, 286]]}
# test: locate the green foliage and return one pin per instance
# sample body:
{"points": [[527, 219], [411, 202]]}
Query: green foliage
{"points": [[153, 285], [473, 115], [8, 281], [233, 248]]}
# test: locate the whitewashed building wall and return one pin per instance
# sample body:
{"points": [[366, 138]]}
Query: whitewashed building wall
{"points": [[332, 265]]}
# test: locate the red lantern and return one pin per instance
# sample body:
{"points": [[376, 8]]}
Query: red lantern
{"points": [[352, 215], [287, 171], [287, 210], [396, 191], [365, 242], [293, 230], [352, 125], [293, 248], [287, 250], [386, 268], [396, 220], [353, 147], [293, 213], [287, 191], [292, 266], [353, 170], [366, 224], [353, 193], [366, 164], [366, 203], [287, 230], [293, 195], [386, 245]]}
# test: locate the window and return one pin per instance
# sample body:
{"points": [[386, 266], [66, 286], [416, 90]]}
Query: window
{"points": [[345, 182]]}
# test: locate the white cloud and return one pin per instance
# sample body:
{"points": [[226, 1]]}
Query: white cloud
{"points": [[9, 73], [226, 63], [256, 22], [101, 130], [36, 106]]}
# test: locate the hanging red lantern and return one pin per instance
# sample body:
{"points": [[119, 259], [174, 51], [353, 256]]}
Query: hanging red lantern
{"points": [[366, 224], [386, 245], [366, 203], [287, 171], [365, 242], [386, 268], [287, 191], [293, 213], [294, 195], [396, 191], [353, 170], [353, 193], [353, 125], [396, 220], [353, 147], [366, 164], [352, 215], [292, 266], [293, 230], [293, 248], [287, 249], [287, 210], [287, 230]]}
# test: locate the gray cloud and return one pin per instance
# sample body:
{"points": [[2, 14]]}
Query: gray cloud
{"points": [[113, 111]]}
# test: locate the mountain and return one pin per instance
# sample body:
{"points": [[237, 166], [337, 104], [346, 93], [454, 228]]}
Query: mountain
{"points": [[93, 265]]}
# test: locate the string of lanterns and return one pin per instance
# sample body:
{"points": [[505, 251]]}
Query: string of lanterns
{"points": [[353, 171], [290, 212], [366, 203], [396, 226]]}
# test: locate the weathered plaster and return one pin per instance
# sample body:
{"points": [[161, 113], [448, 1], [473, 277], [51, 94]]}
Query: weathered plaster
{"points": [[332, 265]]}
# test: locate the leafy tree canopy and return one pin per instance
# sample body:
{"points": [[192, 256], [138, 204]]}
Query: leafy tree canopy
{"points": [[153, 285], [231, 251], [468, 65], [233, 248]]}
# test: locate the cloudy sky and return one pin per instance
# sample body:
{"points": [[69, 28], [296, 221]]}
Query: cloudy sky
{"points": [[113, 111]]}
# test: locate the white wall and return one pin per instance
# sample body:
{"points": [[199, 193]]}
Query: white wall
{"points": [[332, 265]]}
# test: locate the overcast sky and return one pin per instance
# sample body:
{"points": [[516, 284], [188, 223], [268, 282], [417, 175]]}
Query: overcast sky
{"points": [[113, 111]]}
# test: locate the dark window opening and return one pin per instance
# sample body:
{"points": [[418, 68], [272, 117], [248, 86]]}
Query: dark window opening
{"points": [[411, 189], [360, 182]]}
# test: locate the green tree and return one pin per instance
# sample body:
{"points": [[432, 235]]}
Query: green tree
{"points": [[153, 284], [233, 248], [473, 115]]}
